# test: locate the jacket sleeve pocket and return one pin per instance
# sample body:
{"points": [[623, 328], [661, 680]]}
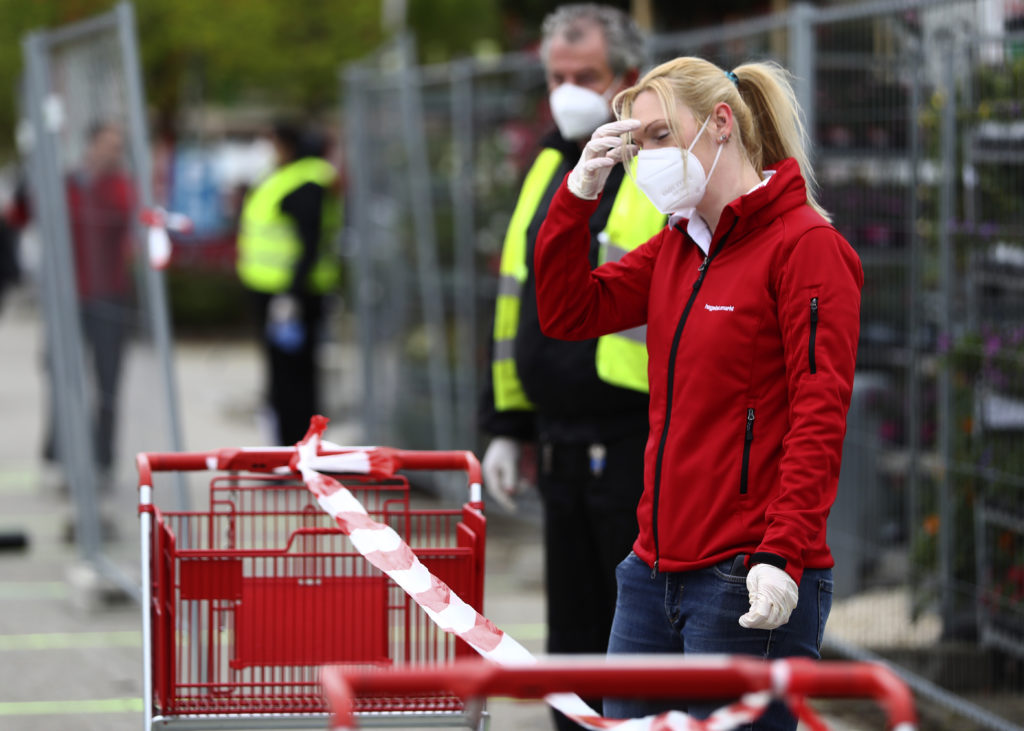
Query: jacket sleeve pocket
{"points": [[812, 336]]}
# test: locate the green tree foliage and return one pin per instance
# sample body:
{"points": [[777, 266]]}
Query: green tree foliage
{"points": [[285, 53], [16, 18], [446, 29], [282, 53]]}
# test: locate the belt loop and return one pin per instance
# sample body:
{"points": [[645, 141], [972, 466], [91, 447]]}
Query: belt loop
{"points": [[547, 458], [739, 567]]}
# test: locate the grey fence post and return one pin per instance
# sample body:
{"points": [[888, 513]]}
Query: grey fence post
{"points": [[802, 63], [357, 228], [156, 290], [65, 357], [947, 202], [463, 130], [424, 233], [915, 321]]}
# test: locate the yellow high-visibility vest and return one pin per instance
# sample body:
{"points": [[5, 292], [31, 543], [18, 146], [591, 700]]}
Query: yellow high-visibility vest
{"points": [[621, 358], [268, 241]]}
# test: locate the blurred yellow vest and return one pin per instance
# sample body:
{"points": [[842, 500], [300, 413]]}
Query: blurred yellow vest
{"points": [[268, 241]]}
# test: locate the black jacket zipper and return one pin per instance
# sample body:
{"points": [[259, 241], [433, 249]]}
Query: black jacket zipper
{"points": [[814, 333], [670, 389], [748, 437]]}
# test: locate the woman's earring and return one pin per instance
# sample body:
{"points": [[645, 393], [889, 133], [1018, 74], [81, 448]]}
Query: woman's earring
{"points": [[723, 138]]}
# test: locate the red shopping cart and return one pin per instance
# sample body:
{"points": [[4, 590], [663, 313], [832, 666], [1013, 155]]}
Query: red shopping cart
{"points": [[640, 676], [244, 600]]}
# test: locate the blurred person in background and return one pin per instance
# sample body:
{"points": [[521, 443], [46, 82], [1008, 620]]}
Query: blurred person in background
{"points": [[288, 261], [10, 269], [101, 204], [751, 300], [581, 407]]}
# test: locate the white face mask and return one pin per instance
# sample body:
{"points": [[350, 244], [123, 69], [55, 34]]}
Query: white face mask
{"points": [[578, 111], [671, 183]]}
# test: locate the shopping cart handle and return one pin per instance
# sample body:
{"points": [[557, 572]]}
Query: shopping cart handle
{"points": [[456, 460], [380, 461], [149, 462], [635, 676]]}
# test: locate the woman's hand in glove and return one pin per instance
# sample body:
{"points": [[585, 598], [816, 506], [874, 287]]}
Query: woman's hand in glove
{"points": [[773, 596], [603, 150]]}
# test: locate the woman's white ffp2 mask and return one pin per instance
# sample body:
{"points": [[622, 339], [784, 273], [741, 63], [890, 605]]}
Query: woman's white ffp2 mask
{"points": [[671, 183]]}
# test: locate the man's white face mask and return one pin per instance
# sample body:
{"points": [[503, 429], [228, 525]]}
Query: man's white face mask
{"points": [[578, 111], [671, 183]]}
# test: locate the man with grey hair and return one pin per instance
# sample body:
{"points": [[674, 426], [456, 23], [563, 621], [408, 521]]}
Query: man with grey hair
{"points": [[583, 405], [624, 46]]}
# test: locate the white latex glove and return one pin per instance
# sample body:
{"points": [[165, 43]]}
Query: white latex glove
{"points": [[603, 150], [283, 307], [773, 596], [501, 471], [285, 328]]}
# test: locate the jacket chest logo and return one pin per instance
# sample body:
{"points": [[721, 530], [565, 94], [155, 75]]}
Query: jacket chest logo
{"points": [[719, 308]]}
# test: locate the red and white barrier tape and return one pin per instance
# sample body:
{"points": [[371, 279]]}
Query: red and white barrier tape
{"points": [[386, 550], [158, 242]]}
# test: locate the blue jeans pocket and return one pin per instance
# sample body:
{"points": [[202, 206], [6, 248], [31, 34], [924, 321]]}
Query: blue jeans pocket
{"points": [[731, 570], [824, 607]]}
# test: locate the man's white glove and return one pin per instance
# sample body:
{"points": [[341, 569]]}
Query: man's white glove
{"points": [[284, 307], [285, 328], [501, 471], [603, 150], [773, 596]]}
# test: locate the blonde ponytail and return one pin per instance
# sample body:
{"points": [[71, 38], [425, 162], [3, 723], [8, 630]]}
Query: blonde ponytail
{"points": [[775, 113], [764, 106]]}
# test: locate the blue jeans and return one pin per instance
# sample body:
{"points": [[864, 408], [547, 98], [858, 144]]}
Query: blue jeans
{"points": [[697, 612]]}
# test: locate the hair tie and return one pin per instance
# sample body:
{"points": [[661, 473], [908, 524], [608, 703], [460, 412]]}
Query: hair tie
{"points": [[732, 77]]}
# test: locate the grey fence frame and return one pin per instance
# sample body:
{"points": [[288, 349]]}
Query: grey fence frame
{"points": [[457, 297], [41, 147]]}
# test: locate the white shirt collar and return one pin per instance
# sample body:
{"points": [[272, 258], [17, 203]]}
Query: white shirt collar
{"points": [[697, 228]]}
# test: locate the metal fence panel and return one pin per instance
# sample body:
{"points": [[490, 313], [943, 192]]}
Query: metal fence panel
{"points": [[436, 157], [108, 334]]}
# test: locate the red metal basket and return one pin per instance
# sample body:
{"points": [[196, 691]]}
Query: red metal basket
{"points": [[247, 598]]}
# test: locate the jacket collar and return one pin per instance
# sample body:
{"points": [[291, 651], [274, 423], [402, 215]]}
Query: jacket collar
{"points": [[784, 190]]}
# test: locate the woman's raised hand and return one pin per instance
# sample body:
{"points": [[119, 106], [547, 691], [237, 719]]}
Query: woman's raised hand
{"points": [[603, 150]]}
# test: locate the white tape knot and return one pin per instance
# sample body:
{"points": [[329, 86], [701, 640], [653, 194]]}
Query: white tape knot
{"points": [[782, 673]]}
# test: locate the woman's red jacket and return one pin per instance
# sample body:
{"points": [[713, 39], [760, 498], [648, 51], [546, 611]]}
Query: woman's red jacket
{"points": [[751, 351]]}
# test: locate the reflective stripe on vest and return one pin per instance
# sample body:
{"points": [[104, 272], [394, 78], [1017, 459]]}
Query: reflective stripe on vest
{"points": [[268, 242], [508, 391], [621, 358]]}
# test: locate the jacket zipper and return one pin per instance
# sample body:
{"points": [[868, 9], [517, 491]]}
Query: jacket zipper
{"points": [[747, 439], [814, 333], [703, 270]]}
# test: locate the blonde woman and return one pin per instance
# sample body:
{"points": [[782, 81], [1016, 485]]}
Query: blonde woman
{"points": [[752, 305]]}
